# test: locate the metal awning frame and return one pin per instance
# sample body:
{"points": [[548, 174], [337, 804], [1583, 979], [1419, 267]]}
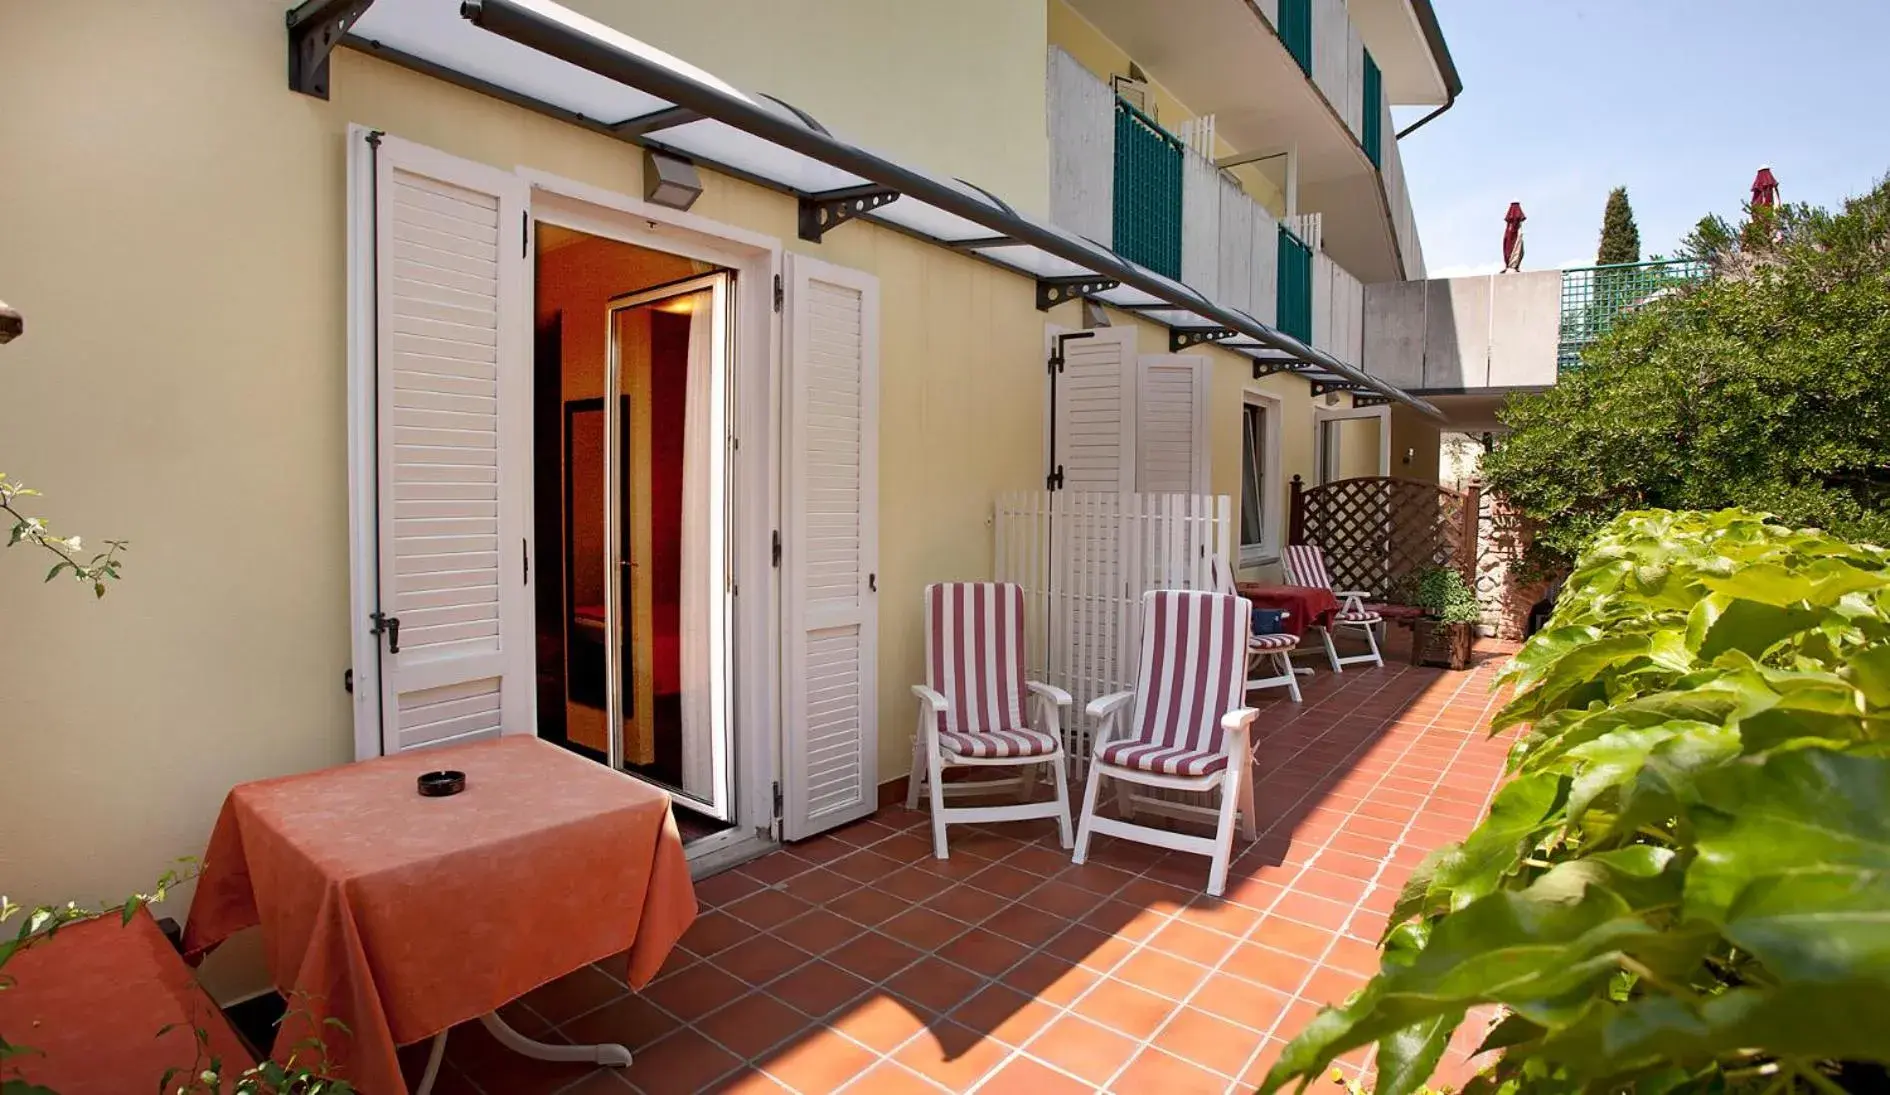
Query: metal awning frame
{"points": [[317, 26]]}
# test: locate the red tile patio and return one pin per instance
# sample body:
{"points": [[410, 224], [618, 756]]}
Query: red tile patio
{"points": [[857, 962]]}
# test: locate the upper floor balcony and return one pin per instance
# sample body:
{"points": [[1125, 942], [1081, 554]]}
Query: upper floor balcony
{"points": [[1295, 95]]}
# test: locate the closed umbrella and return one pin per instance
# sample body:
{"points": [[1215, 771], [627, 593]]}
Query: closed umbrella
{"points": [[1512, 238], [1764, 189]]}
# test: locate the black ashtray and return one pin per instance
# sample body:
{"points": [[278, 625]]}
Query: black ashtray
{"points": [[441, 784]]}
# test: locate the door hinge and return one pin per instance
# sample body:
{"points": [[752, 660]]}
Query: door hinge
{"points": [[780, 292], [777, 800], [776, 552], [1054, 481], [525, 234], [525, 546], [1055, 364], [347, 681]]}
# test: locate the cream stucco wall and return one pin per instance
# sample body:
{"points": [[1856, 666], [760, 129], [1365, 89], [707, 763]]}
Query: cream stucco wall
{"points": [[176, 239], [957, 88]]}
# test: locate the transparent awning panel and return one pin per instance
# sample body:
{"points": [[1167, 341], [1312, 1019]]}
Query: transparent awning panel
{"points": [[929, 220], [1034, 261], [754, 155], [432, 30], [726, 135]]}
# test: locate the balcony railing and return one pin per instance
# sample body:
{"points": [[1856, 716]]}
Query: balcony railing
{"points": [[1296, 287], [1147, 222], [1595, 297]]}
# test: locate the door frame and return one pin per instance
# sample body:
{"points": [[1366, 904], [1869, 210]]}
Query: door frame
{"points": [[755, 333], [1322, 415]]}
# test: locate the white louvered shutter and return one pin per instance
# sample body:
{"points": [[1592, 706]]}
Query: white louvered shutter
{"points": [[1171, 443], [1092, 409], [452, 448], [830, 548]]}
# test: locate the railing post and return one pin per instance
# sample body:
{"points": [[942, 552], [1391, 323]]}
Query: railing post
{"points": [[1472, 518], [1296, 514]]}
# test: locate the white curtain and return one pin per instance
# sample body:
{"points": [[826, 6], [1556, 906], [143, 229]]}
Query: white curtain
{"points": [[702, 548]]}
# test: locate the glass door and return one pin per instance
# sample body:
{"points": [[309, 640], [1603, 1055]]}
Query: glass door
{"points": [[667, 591]]}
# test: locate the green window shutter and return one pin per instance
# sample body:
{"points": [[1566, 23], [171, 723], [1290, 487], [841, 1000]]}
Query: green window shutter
{"points": [[1296, 31], [1148, 192], [1295, 287], [1371, 128]]}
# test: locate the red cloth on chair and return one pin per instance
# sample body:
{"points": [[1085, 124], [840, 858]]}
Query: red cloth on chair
{"points": [[1305, 606], [91, 1001]]}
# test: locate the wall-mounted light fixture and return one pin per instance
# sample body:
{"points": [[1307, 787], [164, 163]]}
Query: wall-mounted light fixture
{"points": [[1410, 454], [11, 325], [1093, 315], [670, 181]]}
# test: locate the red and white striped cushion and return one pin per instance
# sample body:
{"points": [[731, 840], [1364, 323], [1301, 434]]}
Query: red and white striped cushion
{"points": [[1305, 565], [974, 656], [1161, 759], [1277, 641], [1192, 669], [999, 744], [1362, 616]]}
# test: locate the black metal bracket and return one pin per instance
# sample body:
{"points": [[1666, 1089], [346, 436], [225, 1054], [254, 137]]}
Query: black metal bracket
{"points": [[316, 27], [644, 124], [1322, 387], [1369, 399], [1180, 338], [821, 213], [1054, 291], [1262, 369]]}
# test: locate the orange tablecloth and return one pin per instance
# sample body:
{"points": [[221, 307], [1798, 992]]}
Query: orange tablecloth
{"points": [[92, 999], [402, 915]]}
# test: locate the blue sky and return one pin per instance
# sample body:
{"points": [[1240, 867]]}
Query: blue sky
{"points": [[1678, 100]]}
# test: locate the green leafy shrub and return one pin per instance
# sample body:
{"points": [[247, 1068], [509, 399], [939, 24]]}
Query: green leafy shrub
{"points": [[1684, 885], [1763, 387], [1443, 593]]}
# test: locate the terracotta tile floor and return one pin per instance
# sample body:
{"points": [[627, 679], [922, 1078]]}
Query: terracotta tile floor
{"points": [[857, 962]]}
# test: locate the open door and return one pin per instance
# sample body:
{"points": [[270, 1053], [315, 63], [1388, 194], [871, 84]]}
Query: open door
{"points": [[441, 469], [830, 550]]}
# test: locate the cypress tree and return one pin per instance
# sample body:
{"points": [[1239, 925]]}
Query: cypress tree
{"points": [[1620, 239]]}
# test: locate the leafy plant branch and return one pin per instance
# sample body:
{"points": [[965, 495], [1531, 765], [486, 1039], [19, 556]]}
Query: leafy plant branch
{"points": [[27, 529]]}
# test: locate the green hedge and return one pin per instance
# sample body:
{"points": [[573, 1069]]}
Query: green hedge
{"points": [[1684, 884]]}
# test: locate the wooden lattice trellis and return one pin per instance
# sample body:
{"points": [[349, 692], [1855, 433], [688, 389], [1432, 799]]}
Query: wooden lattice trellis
{"points": [[1380, 533]]}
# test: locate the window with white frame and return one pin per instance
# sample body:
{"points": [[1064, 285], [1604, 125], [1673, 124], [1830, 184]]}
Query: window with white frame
{"points": [[1257, 458]]}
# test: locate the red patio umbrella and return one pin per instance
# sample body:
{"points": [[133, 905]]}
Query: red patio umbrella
{"points": [[1512, 238], [1764, 189]]}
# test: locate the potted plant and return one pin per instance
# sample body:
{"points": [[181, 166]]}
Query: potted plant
{"points": [[1443, 636]]}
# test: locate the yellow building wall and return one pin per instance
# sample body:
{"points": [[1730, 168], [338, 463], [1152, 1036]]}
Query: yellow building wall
{"points": [[182, 384], [957, 88], [1416, 443]]}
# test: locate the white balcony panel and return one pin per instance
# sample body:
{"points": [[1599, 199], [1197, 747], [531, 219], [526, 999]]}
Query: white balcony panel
{"points": [[1201, 224], [1082, 119]]}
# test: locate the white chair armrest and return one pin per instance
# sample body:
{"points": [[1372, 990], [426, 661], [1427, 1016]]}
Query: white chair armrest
{"points": [[1358, 594], [939, 704], [1238, 725], [1104, 706], [1049, 692]]}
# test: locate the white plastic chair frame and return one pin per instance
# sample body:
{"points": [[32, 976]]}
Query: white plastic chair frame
{"points": [[930, 759], [1261, 655], [1351, 601]]}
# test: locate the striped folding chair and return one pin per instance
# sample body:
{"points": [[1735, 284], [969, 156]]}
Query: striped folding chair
{"points": [[1264, 652], [971, 709], [1186, 730], [1305, 565]]}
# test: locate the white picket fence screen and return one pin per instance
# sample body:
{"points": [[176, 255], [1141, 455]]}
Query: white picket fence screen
{"points": [[1084, 560]]}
